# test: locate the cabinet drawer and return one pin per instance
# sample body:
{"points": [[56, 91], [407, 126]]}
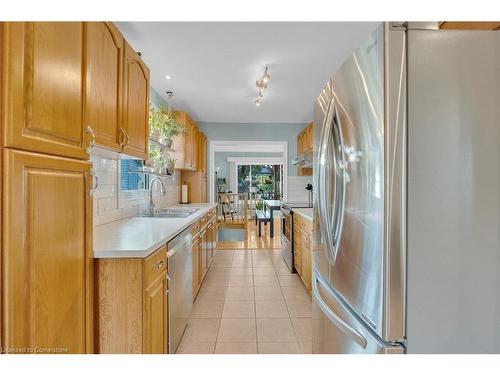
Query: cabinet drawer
{"points": [[155, 265], [306, 243], [203, 220], [306, 225], [195, 228], [297, 220], [296, 243]]}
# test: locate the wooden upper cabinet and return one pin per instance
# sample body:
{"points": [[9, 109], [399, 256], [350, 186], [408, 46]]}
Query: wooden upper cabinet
{"points": [[104, 83], [185, 145], [469, 25], [43, 67], [305, 144], [310, 137], [188, 159], [136, 104], [194, 148], [179, 142], [47, 253], [202, 153]]}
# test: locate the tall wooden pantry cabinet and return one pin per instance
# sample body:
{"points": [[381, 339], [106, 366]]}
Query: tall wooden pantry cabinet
{"points": [[64, 87]]}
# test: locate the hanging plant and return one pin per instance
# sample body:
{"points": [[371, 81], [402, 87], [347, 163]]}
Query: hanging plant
{"points": [[154, 151], [163, 123], [172, 127]]}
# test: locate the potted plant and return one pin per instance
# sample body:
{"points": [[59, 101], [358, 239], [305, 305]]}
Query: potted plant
{"points": [[170, 165], [164, 125]]}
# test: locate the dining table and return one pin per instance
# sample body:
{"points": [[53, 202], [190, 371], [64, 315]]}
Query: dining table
{"points": [[271, 205]]}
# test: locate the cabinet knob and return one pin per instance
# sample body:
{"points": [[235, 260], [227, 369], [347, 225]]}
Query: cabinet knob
{"points": [[125, 139], [159, 265]]}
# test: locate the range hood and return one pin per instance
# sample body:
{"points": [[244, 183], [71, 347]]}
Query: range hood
{"points": [[303, 160]]}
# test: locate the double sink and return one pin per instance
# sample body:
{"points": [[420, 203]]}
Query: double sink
{"points": [[163, 213]]}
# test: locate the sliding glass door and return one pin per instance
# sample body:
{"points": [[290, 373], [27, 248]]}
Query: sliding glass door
{"points": [[264, 179]]}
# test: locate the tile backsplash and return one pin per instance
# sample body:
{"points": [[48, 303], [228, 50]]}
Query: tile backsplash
{"points": [[111, 204], [296, 188]]}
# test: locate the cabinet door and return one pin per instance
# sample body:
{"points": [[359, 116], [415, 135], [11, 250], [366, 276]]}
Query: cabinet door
{"points": [[309, 263], [47, 253], [43, 79], [309, 135], [194, 147], [136, 104], [188, 160], [196, 265], [179, 142], [297, 249], [202, 154], [104, 83], [306, 259], [210, 242], [299, 144], [156, 317], [203, 252]]}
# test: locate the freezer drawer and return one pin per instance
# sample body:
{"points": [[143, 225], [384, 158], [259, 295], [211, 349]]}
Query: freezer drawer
{"points": [[337, 331]]}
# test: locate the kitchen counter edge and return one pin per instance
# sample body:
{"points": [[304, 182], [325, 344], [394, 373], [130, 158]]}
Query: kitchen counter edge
{"points": [[109, 253]]}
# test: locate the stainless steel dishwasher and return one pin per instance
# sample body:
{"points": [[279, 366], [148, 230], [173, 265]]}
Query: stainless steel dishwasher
{"points": [[180, 300]]}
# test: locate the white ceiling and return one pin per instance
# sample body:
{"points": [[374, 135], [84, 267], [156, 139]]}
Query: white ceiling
{"points": [[214, 65]]}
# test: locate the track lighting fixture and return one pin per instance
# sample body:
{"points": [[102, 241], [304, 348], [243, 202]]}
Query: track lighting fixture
{"points": [[262, 85]]}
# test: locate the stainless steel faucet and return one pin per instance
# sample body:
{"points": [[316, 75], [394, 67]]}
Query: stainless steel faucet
{"points": [[162, 190]]}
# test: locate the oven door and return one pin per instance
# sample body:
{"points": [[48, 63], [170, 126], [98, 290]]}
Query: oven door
{"points": [[287, 237]]}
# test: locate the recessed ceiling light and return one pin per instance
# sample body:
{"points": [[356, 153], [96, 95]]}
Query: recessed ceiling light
{"points": [[168, 77]]}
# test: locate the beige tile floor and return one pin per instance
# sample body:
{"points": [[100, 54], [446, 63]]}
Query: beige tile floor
{"points": [[249, 303]]}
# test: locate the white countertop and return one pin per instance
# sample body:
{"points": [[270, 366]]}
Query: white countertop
{"points": [[306, 213], [138, 237]]}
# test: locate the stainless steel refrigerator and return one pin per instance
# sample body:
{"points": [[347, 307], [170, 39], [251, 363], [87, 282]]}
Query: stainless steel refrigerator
{"points": [[406, 192]]}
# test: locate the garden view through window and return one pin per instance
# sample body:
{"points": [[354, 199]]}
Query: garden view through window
{"points": [[266, 180]]}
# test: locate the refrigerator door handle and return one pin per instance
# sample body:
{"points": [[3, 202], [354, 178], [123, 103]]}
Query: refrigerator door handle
{"points": [[334, 318], [340, 186], [322, 200]]}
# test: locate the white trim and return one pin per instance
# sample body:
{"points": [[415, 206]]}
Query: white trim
{"points": [[252, 161], [245, 146], [255, 160]]}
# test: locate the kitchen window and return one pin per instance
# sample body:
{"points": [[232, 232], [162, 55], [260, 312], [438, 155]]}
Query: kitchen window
{"points": [[130, 179]]}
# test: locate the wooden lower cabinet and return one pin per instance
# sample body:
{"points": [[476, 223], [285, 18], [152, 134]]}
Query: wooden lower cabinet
{"points": [[155, 317], [203, 248], [46, 254], [297, 249], [196, 265], [132, 304], [302, 249], [306, 255], [204, 253]]}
